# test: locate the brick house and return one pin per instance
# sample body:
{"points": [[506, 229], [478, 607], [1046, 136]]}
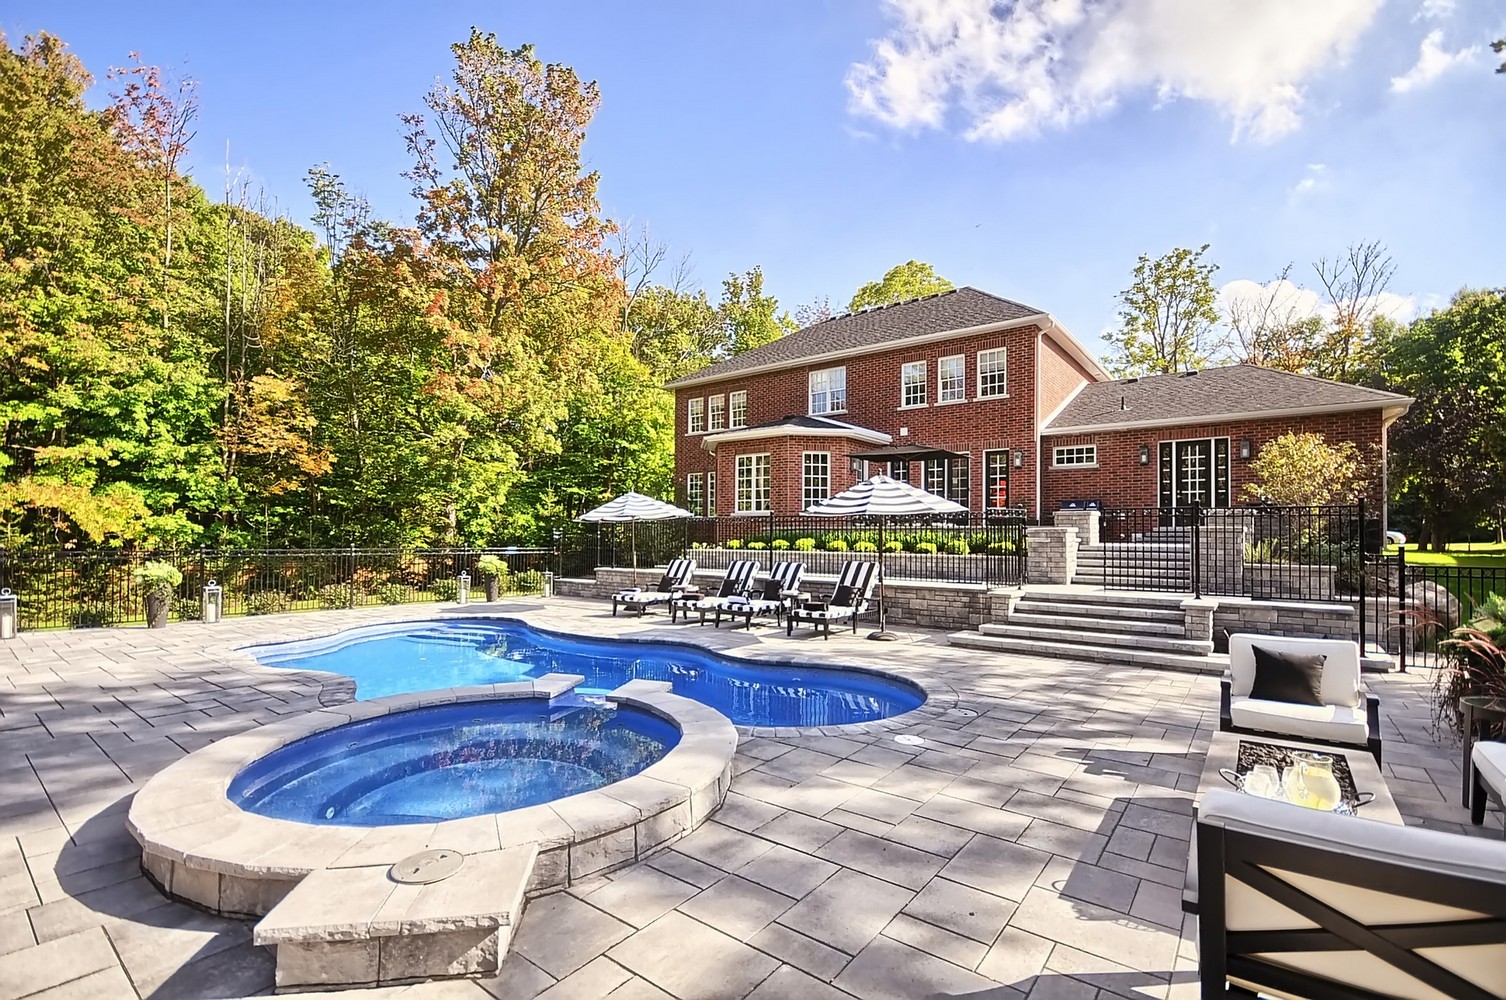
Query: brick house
{"points": [[990, 403]]}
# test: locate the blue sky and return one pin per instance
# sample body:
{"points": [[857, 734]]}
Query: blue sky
{"points": [[1032, 149]]}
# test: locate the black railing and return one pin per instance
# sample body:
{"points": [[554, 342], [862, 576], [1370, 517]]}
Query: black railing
{"points": [[73, 589], [1417, 606]]}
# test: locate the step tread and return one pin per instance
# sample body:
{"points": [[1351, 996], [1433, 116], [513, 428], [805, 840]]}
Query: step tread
{"points": [[1178, 644], [1213, 665], [1124, 612], [1124, 626]]}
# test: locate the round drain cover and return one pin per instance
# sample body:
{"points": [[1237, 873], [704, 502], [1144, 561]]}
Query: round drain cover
{"points": [[427, 866], [908, 740], [964, 713]]}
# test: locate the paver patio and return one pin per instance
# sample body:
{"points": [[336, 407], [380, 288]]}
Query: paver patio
{"points": [[1032, 845]]}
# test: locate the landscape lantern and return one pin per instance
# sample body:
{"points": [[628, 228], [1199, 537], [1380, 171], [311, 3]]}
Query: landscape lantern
{"points": [[212, 604], [463, 588], [8, 605]]}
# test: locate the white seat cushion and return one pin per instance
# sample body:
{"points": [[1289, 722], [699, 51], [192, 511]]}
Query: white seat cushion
{"points": [[833, 612], [1333, 723], [644, 596], [1489, 759]]}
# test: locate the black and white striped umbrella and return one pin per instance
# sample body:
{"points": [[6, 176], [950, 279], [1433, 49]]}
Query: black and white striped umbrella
{"points": [[883, 498], [629, 509]]}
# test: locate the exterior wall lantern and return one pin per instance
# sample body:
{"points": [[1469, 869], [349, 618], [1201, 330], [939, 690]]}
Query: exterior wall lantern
{"points": [[1244, 448], [212, 603], [8, 605], [1019, 458], [1145, 454], [463, 588]]}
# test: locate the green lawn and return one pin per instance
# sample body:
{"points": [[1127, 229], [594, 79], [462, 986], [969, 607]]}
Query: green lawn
{"points": [[1458, 554]]}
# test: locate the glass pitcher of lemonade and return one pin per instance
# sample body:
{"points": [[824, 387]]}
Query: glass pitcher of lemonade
{"points": [[1311, 781]]}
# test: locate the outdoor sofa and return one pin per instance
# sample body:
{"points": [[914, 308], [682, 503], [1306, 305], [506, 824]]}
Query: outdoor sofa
{"points": [[781, 588], [736, 582], [1487, 765], [1295, 902], [850, 599], [1347, 715], [675, 580]]}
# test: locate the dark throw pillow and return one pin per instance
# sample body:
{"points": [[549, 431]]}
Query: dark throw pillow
{"points": [[845, 597], [773, 590], [1295, 678], [666, 584]]}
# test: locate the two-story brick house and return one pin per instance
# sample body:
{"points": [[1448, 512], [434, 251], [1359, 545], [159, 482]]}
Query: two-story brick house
{"points": [[998, 404]]}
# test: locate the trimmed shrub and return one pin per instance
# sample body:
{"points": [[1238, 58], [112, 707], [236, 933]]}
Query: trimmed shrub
{"points": [[335, 595], [187, 609], [836, 545], [445, 589], [958, 547], [733, 543], [530, 581], [758, 546], [925, 548], [268, 602], [779, 544], [805, 545], [894, 545], [395, 593], [864, 547]]}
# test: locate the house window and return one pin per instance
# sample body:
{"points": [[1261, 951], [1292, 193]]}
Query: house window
{"points": [[951, 379], [711, 494], [737, 404], [697, 416], [1077, 454], [695, 493], [991, 371], [899, 471], [752, 484], [717, 413], [934, 479], [912, 384], [815, 479], [996, 479], [828, 391], [949, 478]]}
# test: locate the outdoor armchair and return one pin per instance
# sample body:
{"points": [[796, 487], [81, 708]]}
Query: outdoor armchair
{"points": [[676, 579], [736, 583], [850, 599], [1487, 766], [1348, 715], [779, 591], [1301, 903]]}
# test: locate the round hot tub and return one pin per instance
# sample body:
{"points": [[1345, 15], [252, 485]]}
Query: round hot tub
{"points": [[447, 762]]}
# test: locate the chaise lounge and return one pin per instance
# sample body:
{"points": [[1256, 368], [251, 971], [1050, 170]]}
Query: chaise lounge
{"points": [[736, 583], [782, 587], [675, 580], [850, 599], [1339, 711]]}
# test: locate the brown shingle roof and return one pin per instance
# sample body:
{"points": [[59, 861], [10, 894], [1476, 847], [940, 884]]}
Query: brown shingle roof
{"points": [[958, 309], [1212, 394]]}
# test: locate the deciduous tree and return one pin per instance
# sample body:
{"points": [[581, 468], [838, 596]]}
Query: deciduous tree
{"points": [[910, 280], [1168, 318]]}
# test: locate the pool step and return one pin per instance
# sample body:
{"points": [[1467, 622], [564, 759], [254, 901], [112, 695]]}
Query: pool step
{"points": [[348, 927]]}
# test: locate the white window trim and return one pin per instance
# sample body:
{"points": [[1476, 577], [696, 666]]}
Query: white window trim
{"points": [[1056, 453], [710, 409], [769, 499], [711, 494], [810, 392], [804, 502], [695, 483], [978, 379], [690, 410], [940, 399], [924, 386], [983, 470], [731, 409]]}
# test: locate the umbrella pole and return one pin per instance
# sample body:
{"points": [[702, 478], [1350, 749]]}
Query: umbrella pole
{"points": [[883, 634], [633, 533]]}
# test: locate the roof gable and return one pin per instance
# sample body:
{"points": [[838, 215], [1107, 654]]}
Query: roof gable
{"points": [[1212, 394], [960, 309]]}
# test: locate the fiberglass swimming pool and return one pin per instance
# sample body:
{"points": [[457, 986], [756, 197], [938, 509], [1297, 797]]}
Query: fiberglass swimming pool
{"points": [[422, 656]]}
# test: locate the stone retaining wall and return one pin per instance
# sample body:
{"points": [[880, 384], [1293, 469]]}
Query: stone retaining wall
{"points": [[1290, 618]]}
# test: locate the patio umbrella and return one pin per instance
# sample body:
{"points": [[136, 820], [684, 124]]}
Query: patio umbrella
{"points": [[883, 498], [629, 509]]}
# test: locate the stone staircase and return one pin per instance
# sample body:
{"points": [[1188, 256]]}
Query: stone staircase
{"points": [[1160, 563], [1104, 626]]}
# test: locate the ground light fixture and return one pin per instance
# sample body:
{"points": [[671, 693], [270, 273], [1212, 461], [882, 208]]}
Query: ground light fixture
{"points": [[463, 588], [212, 603], [8, 604]]}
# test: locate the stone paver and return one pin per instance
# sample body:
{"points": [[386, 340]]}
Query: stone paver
{"points": [[1032, 844]]}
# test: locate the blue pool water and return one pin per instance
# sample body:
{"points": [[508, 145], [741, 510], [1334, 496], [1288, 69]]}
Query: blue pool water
{"points": [[421, 656], [452, 761]]}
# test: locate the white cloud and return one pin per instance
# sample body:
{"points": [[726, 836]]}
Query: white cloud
{"points": [[1292, 300], [1013, 69], [1312, 177], [1432, 62], [1435, 10]]}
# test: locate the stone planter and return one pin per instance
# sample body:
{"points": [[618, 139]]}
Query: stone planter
{"points": [[157, 606], [493, 588]]}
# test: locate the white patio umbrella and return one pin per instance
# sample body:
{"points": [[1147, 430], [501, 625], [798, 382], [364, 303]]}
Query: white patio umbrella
{"points": [[630, 508], [883, 498]]}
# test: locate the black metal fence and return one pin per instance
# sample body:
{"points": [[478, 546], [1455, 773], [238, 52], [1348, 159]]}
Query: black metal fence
{"points": [[1417, 606], [74, 589], [976, 548]]}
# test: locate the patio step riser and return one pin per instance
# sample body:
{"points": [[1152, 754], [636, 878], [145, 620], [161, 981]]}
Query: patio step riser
{"points": [[1115, 655], [1190, 647], [1099, 612], [1129, 626]]}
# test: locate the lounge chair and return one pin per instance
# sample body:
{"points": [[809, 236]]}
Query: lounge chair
{"points": [[1487, 767], [1348, 716], [736, 583], [854, 590], [782, 587], [675, 580], [1294, 902]]}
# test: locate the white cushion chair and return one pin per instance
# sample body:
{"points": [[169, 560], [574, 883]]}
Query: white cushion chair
{"points": [[1294, 902], [736, 582], [675, 580], [779, 591], [1487, 764], [1348, 716], [850, 599]]}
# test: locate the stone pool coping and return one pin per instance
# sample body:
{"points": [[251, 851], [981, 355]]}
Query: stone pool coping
{"points": [[940, 697], [200, 847]]}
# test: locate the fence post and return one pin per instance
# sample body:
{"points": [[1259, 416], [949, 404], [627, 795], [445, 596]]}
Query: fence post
{"points": [[1401, 604], [1364, 610], [1197, 550]]}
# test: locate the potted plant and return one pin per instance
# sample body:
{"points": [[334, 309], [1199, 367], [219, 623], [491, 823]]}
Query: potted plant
{"points": [[1475, 662], [158, 581], [491, 569]]}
